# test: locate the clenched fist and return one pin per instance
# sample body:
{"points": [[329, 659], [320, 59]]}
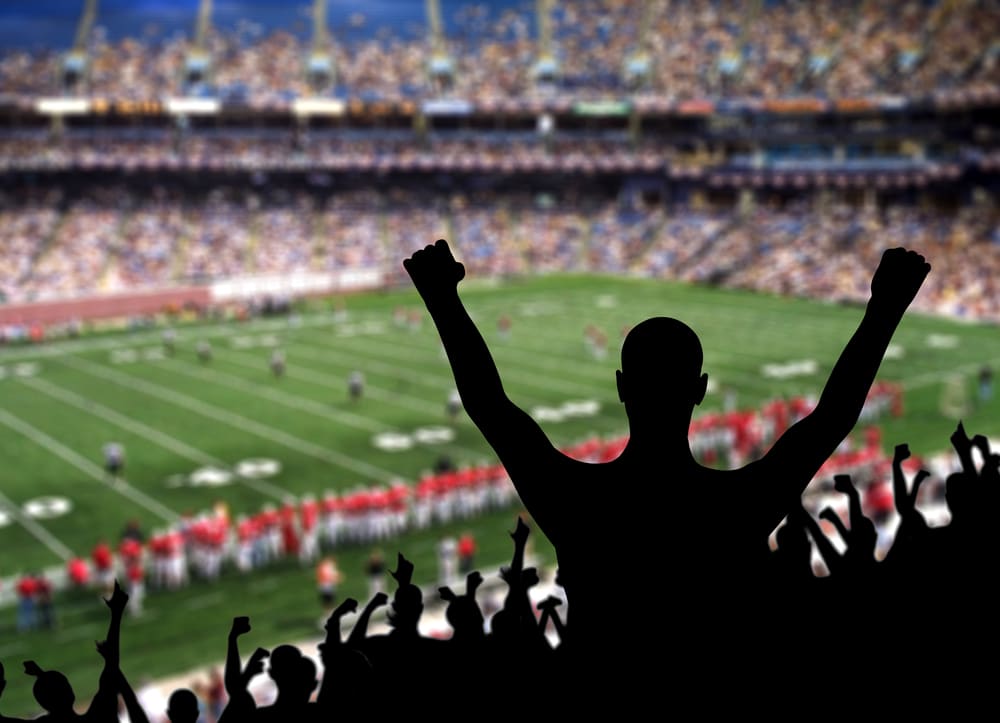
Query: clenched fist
{"points": [[434, 271], [898, 278]]}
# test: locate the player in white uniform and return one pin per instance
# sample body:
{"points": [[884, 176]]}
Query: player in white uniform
{"points": [[114, 460], [356, 385], [204, 351], [278, 363], [454, 405]]}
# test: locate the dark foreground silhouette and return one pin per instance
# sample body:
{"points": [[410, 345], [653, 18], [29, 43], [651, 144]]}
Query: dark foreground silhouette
{"points": [[710, 527], [674, 604]]}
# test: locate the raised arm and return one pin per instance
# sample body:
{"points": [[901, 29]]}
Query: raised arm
{"points": [[105, 702], [136, 714], [231, 675], [513, 434], [801, 450], [360, 630]]}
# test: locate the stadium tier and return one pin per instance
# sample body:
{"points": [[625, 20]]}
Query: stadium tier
{"points": [[666, 49]]}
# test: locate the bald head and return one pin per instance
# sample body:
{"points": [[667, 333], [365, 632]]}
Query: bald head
{"points": [[662, 347], [661, 369], [183, 706]]}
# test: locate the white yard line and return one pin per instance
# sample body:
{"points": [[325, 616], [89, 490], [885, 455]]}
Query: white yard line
{"points": [[33, 528], [86, 466], [166, 441], [414, 404], [233, 420], [303, 404]]}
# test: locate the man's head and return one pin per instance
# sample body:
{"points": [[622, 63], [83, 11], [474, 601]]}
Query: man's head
{"points": [[51, 689], [293, 673], [661, 380], [183, 706]]}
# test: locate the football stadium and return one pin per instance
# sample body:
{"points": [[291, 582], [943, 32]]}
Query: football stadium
{"points": [[219, 386]]}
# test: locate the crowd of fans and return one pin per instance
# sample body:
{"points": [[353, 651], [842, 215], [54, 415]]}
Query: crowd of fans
{"points": [[718, 49], [117, 238], [386, 155], [808, 577]]}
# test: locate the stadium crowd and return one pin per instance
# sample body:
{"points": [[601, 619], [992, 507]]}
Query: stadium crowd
{"points": [[720, 49], [85, 152], [807, 577], [114, 238]]}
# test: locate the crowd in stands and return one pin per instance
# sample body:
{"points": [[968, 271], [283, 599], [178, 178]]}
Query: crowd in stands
{"points": [[717, 49], [262, 153], [116, 238]]}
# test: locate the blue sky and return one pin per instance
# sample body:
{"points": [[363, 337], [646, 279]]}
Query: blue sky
{"points": [[52, 23]]}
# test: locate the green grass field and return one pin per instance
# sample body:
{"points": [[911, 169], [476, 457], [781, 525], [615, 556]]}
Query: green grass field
{"points": [[60, 403]]}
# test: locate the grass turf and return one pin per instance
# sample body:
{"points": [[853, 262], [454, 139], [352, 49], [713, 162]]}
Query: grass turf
{"points": [[174, 415]]}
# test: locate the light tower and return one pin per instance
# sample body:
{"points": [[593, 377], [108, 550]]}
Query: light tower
{"points": [[198, 62], [546, 68], [320, 67], [440, 67], [75, 63]]}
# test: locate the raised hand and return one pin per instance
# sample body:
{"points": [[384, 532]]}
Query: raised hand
{"points": [[862, 537], [350, 605], [550, 603], [529, 577], [520, 533], [434, 271], [963, 448], [255, 666], [898, 278], [118, 601], [241, 626]]}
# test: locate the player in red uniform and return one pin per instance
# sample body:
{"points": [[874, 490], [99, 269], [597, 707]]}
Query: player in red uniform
{"points": [[104, 567]]}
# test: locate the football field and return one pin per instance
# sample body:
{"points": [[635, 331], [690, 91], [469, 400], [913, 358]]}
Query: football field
{"points": [[196, 433]]}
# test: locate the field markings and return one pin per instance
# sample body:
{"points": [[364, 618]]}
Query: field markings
{"points": [[717, 359], [294, 401], [86, 466], [236, 421], [931, 378], [525, 379], [602, 420], [203, 601], [326, 380], [33, 528], [164, 440]]}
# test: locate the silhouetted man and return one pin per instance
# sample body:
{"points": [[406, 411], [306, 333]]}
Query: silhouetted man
{"points": [[698, 535]]}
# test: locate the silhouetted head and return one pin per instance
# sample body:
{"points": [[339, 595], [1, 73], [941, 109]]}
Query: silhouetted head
{"points": [[52, 690], [293, 673], [183, 706], [661, 380]]}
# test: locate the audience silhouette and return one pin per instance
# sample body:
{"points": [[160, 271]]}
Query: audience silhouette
{"points": [[697, 610], [660, 383]]}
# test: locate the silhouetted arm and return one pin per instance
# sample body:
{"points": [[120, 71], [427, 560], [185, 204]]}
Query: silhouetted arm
{"points": [[360, 630], [329, 651], [105, 701], [513, 434], [231, 674], [236, 680], [831, 558], [548, 607], [799, 453]]}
